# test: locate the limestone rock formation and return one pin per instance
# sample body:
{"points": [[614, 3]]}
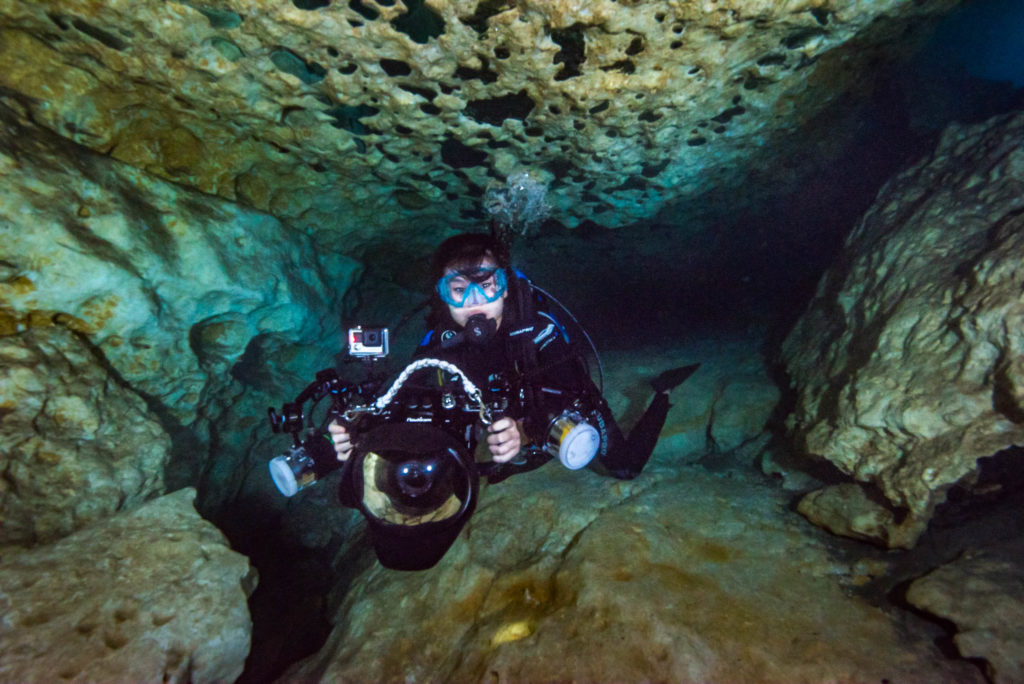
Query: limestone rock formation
{"points": [[909, 364], [681, 575], [75, 444], [381, 108], [983, 593], [193, 304], [147, 596]]}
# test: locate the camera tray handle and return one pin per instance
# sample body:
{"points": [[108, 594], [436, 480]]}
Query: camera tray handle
{"points": [[471, 390]]}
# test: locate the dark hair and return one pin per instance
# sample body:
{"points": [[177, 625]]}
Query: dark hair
{"points": [[465, 251]]}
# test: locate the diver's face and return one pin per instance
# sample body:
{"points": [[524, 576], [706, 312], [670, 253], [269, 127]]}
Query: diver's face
{"points": [[476, 305]]}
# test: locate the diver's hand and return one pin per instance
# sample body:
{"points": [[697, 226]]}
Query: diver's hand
{"points": [[504, 440], [342, 440]]}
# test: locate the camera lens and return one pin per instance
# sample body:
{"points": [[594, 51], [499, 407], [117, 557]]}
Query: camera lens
{"points": [[415, 478], [371, 338]]}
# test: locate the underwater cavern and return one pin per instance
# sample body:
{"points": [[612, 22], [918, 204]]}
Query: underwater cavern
{"points": [[821, 202]]}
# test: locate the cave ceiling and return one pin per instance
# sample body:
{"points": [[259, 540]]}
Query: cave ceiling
{"points": [[376, 120]]}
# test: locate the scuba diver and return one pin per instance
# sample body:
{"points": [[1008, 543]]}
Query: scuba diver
{"points": [[500, 385], [492, 324]]}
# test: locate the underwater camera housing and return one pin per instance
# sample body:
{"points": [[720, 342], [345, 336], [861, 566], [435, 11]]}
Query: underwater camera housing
{"points": [[411, 472]]}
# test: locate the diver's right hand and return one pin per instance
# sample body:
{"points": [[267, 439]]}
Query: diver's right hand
{"points": [[342, 440]]}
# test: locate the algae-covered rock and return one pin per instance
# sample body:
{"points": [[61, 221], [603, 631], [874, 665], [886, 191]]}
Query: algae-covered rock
{"points": [[909, 364], [76, 445], [147, 596], [343, 116]]}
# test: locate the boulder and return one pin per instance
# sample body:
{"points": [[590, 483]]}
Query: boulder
{"points": [[151, 595], [982, 593], [909, 364]]}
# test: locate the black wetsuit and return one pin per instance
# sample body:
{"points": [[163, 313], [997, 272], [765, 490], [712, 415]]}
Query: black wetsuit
{"points": [[550, 381]]}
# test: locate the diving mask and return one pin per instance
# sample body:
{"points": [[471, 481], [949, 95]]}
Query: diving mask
{"points": [[473, 287]]}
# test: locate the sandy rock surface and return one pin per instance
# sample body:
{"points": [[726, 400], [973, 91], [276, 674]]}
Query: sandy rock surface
{"points": [[147, 596], [909, 364], [681, 575]]}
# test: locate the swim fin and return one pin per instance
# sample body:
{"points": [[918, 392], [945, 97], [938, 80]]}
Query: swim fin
{"points": [[673, 377]]}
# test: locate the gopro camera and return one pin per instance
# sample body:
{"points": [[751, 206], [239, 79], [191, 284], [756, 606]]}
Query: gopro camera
{"points": [[368, 343]]}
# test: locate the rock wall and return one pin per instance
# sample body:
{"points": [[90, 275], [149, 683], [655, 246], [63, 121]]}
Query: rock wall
{"points": [[909, 364], [381, 109], [132, 310], [147, 596]]}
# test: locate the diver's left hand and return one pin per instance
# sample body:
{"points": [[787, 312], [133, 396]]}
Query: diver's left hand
{"points": [[504, 440]]}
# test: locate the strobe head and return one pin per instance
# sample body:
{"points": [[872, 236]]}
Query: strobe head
{"points": [[290, 419]]}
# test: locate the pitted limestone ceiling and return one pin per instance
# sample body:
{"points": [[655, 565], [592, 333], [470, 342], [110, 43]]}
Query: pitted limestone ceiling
{"points": [[351, 114]]}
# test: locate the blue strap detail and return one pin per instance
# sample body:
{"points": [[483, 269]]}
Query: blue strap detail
{"points": [[426, 340]]}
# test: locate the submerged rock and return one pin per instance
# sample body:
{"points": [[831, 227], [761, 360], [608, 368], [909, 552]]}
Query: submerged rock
{"points": [[681, 575], [147, 596], [982, 592], [909, 364], [76, 445]]}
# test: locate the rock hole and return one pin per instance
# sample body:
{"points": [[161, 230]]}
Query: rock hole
{"points": [[534, 131], [460, 156], [363, 10], [114, 640], [484, 11], [649, 116], [727, 115], [333, 52], [96, 33], [311, 4], [220, 19], [496, 110], [772, 60], [636, 46], [227, 49], [572, 42], [290, 63], [395, 67], [430, 109], [485, 74], [426, 93], [696, 142], [800, 38], [348, 117], [597, 109], [502, 53], [652, 170], [59, 21], [419, 22], [348, 69], [820, 15]]}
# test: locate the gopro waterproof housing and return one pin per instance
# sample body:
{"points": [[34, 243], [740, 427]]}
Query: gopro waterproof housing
{"points": [[368, 343]]}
